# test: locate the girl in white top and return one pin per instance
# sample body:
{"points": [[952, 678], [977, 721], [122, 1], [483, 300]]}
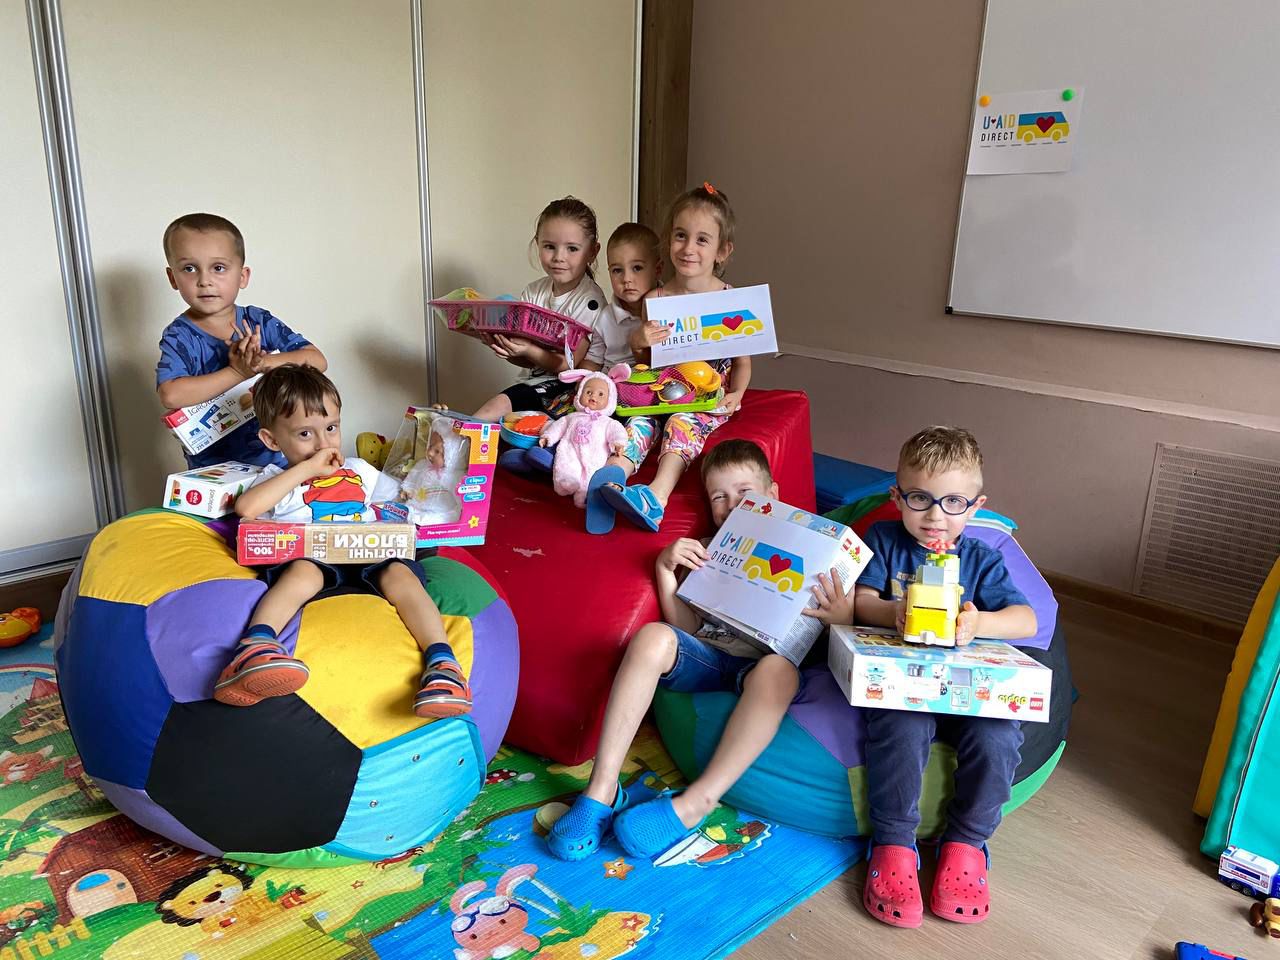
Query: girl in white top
{"points": [[567, 243]]}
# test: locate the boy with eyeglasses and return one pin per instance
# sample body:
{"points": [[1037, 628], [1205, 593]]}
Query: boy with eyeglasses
{"points": [[938, 490]]}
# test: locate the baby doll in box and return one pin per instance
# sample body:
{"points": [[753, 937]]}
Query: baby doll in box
{"points": [[585, 438], [430, 487]]}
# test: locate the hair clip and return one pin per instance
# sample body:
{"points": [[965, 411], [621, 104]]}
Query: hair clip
{"points": [[706, 185]]}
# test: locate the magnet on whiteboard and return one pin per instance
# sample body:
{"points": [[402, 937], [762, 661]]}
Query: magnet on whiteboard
{"points": [[985, 101], [1068, 93]]}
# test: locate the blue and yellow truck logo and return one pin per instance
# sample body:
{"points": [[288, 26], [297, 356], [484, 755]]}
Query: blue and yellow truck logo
{"points": [[737, 323], [1042, 126], [784, 570]]}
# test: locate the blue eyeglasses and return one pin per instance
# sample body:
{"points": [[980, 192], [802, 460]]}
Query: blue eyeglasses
{"points": [[953, 504]]}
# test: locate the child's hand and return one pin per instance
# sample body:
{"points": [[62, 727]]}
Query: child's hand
{"points": [[511, 348], [542, 441], [682, 553], [900, 617], [835, 604], [966, 624], [324, 462], [245, 355], [647, 334], [730, 404]]}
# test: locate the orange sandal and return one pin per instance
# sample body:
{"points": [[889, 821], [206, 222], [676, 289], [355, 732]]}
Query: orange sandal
{"points": [[892, 893], [261, 668], [960, 891]]}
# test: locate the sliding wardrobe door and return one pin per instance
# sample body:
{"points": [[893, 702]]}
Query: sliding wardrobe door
{"points": [[48, 504], [525, 102], [296, 120]]}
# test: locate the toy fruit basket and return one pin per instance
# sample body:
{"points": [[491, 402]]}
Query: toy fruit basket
{"points": [[522, 428], [684, 388], [468, 312]]}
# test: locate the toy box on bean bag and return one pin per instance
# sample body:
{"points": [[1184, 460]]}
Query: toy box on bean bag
{"points": [[573, 633], [203, 424], [209, 492], [262, 542], [445, 468]]}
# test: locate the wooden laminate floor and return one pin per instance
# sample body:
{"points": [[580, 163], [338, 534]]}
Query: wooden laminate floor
{"points": [[1103, 862]]}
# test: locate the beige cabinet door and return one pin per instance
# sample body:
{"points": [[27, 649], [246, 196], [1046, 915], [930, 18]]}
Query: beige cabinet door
{"points": [[525, 102], [295, 119], [48, 507]]}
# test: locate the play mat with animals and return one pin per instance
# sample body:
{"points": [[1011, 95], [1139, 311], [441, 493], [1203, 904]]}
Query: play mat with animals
{"points": [[78, 880]]}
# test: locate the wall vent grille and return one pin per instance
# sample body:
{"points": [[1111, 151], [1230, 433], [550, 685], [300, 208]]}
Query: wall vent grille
{"points": [[1211, 532]]}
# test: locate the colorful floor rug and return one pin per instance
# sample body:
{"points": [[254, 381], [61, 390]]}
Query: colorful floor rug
{"points": [[80, 881]]}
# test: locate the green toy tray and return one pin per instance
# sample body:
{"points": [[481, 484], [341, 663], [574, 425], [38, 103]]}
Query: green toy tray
{"points": [[657, 409]]}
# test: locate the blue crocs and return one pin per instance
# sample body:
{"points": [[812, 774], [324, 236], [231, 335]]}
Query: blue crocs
{"points": [[539, 458], [578, 833], [637, 503], [650, 828], [600, 514]]}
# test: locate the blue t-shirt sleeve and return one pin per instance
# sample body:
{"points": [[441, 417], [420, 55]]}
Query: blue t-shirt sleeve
{"points": [[876, 572], [993, 588], [276, 335], [177, 356]]}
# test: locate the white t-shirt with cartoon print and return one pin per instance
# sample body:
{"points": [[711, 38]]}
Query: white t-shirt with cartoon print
{"points": [[342, 497]]}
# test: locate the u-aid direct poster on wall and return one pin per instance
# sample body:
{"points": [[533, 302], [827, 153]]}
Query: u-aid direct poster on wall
{"points": [[1028, 132]]}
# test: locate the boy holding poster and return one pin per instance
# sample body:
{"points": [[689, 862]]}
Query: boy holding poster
{"points": [[687, 654]]}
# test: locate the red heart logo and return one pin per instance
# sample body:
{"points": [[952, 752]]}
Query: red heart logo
{"points": [[767, 508], [777, 564], [1044, 123], [733, 323]]}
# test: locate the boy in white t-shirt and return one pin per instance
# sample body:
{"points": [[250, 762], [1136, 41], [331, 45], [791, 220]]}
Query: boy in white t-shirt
{"points": [[300, 412], [634, 267]]}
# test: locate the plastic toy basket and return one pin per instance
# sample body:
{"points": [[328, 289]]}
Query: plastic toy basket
{"points": [[475, 316]]}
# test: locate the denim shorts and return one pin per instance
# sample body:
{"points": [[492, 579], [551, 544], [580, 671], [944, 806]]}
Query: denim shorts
{"points": [[701, 666]]}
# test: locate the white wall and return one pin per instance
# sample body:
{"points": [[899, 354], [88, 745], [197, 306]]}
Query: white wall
{"points": [[526, 102], [295, 119], [45, 490]]}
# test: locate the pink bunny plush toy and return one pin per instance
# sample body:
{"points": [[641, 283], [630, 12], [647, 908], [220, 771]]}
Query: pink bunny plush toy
{"points": [[586, 437]]}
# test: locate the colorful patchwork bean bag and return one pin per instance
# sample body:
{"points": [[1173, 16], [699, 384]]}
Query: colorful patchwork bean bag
{"points": [[341, 770]]}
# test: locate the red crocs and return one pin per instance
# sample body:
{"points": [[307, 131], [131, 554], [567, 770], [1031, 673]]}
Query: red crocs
{"points": [[960, 891], [892, 893]]}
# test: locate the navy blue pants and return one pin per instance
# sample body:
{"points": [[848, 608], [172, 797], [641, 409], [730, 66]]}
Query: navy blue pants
{"points": [[897, 749]]}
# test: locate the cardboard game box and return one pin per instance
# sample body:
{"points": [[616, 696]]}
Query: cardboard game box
{"points": [[986, 678], [208, 491], [262, 542], [763, 563], [203, 424]]}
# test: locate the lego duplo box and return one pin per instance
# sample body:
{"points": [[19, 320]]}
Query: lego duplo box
{"points": [[986, 678], [262, 542], [203, 424], [762, 565], [209, 491]]}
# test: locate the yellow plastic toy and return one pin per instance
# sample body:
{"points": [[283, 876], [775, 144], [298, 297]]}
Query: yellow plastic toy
{"points": [[933, 599]]}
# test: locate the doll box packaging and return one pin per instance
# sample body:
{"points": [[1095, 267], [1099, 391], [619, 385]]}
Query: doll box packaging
{"points": [[262, 542], [986, 678], [203, 424], [449, 503], [763, 563], [209, 492]]}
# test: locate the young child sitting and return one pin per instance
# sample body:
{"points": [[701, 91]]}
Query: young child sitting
{"points": [[635, 264], [686, 654], [300, 412], [699, 241], [216, 344], [939, 488]]}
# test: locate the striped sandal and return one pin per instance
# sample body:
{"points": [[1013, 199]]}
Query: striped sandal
{"points": [[445, 693], [261, 668]]}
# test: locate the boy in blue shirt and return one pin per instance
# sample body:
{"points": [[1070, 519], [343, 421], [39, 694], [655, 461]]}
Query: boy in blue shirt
{"points": [[216, 344], [938, 490]]}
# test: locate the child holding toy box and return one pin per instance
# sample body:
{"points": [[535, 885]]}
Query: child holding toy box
{"points": [[939, 488], [686, 654], [699, 241], [216, 343], [566, 239], [300, 412]]}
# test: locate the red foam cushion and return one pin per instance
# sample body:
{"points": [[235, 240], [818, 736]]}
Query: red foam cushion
{"points": [[577, 598]]}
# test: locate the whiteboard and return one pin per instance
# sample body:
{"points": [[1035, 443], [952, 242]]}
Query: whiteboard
{"points": [[1168, 221]]}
